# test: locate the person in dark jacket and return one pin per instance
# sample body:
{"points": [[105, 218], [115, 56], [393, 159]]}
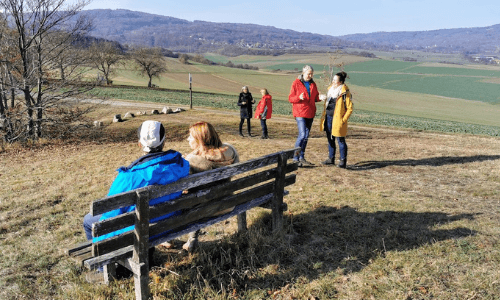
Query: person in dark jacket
{"points": [[303, 96], [245, 101]]}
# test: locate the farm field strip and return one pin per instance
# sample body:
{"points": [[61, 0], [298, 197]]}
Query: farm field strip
{"points": [[393, 87], [377, 115]]}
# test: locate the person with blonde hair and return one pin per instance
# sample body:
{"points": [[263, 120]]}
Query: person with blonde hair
{"points": [[303, 96], [245, 101], [208, 153], [338, 109], [264, 111]]}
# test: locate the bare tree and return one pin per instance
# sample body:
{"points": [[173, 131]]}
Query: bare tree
{"points": [[33, 23], [66, 58], [150, 62], [335, 64], [105, 56]]}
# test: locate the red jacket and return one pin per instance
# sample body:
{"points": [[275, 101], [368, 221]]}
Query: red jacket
{"points": [[303, 108], [267, 100]]}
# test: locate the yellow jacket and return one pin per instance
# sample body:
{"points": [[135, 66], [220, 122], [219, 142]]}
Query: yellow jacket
{"points": [[340, 115]]}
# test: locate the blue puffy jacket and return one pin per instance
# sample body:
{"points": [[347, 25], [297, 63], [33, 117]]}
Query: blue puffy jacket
{"points": [[155, 168]]}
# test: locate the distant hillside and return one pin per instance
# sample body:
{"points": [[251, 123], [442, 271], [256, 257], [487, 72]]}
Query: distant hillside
{"points": [[471, 40], [138, 28], [131, 27]]}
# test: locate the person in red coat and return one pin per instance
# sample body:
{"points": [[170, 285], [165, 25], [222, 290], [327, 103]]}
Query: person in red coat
{"points": [[303, 96], [264, 111]]}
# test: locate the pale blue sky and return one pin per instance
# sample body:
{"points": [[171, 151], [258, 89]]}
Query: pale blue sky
{"points": [[326, 17]]}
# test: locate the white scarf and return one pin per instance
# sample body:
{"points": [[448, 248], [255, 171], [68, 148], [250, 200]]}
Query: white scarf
{"points": [[333, 93]]}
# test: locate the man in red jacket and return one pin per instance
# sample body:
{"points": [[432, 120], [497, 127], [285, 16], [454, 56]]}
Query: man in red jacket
{"points": [[303, 96]]}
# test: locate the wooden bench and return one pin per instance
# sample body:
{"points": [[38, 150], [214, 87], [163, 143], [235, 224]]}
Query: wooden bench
{"points": [[257, 182]]}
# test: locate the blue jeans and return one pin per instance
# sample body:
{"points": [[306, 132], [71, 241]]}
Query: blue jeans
{"points": [[264, 127], [88, 220], [304, 126], [331, 140]]}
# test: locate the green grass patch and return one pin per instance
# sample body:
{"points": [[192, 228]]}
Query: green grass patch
{"points": [[295, 67], [452, 71], [468, 88], [380, 66], [283, 107], [384, 119]]}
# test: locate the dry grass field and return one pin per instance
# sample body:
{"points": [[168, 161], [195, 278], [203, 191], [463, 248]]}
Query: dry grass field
{"points": [[415, 216]]}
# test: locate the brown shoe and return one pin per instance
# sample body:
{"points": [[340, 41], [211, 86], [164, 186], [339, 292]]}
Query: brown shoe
{"points": [[305, 163]]}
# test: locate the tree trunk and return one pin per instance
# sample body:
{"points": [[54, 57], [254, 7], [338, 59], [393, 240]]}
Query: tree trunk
{"points": [[61, 68], [29, 110], [13, 97], [2, 107]]}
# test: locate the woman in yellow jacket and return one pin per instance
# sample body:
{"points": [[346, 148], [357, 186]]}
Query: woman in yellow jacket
{"points": [[338, 109]]}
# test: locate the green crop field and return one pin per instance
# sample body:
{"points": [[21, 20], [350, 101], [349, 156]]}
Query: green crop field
{"points": [[283, 107], [453, 82], [455, 94]]}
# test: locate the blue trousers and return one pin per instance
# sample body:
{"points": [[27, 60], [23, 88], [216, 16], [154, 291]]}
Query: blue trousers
{"points": [[264, 127], [88, 220], [331, 140], [304, 127]]}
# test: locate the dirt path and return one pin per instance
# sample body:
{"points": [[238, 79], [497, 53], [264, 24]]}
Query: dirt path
{"points": [[285, 119]]}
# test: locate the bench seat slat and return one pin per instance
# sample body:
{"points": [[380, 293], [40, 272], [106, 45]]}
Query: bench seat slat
{"points": [[78, 247]]}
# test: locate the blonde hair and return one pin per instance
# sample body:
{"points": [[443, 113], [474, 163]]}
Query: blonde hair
{"points": [[307, 68], [205, 136], [265, 91]]}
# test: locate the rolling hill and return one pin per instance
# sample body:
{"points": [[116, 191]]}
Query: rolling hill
{"points": [[132, 27]]}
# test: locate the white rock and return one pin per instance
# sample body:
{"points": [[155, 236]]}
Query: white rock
{"points": [[167, 110]]}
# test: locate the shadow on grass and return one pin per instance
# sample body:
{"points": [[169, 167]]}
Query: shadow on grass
{"points": [[342, 240], [433, 161]]}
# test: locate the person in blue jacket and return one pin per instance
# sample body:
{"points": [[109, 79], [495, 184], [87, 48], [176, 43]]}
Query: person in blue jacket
{"points": [[155, 167]]}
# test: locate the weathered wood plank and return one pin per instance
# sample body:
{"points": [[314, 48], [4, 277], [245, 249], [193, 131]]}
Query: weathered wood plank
{"points": [[120, 255], [112, 202], [78, 247], [128, 198], [195, 215], [277, 202], [185, 202], [112, 257], [193, 227]]}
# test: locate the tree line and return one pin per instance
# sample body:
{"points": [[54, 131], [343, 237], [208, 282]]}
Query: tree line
{"points": [[46, 60]]}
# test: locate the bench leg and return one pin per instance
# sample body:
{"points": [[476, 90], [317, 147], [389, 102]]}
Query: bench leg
{"points": [[141, 280], [242, 222], [109, 272]]}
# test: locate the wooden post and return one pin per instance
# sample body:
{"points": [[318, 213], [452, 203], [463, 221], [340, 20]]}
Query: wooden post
{"points": [[242, 222], [190, 92], [109, 272], [140, 258], [277, 201]]}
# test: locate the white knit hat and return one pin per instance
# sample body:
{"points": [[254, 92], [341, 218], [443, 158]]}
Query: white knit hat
{"points": [[151, 135]]}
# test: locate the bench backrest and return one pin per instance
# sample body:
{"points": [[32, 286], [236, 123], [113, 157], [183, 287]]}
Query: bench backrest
{"points": [[252, 183]]}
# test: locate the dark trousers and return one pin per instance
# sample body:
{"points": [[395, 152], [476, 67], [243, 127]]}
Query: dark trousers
{"points": [[264, 127], [248, 125], [331, 140]]}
